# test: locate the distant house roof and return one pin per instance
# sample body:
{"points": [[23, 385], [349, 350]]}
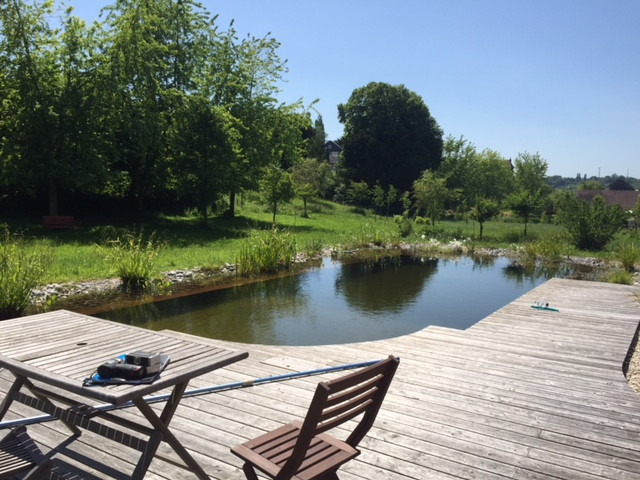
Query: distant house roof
{"points": [[627, 199], [332, 146]]}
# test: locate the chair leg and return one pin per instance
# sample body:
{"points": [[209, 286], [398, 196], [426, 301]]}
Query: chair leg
{"points": [[249, 472]]}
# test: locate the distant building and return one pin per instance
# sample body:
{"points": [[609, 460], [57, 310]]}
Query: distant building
{"points": [[627, 199], [333, 150]]}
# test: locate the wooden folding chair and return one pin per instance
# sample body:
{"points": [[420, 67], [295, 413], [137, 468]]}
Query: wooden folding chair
{"points": [[302, 450], [20, 455]]}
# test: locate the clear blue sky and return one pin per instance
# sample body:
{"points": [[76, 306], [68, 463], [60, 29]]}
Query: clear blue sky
{"points": [[557, 77]]}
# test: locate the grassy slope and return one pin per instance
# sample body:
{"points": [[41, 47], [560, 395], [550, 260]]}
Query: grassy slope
{"points": [[187, 244]]}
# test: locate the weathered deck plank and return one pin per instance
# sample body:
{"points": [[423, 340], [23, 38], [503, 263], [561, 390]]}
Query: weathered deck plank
{"points": [[523, 394]]}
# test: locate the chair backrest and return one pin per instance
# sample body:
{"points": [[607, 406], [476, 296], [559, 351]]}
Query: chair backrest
{"points": [[345, 398]]}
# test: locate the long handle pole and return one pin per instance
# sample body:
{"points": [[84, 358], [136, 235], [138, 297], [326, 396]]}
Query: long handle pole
{"points": [[107, 407]]}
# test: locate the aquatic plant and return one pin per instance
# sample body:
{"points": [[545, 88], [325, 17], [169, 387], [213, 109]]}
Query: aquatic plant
{"points": [[628, 253], [133, 257], [266, 251]]}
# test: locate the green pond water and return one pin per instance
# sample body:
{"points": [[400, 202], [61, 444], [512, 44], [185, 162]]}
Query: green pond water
{"points": [[344, 302]]}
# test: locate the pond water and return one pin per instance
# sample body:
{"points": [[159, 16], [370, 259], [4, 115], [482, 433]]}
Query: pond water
{"points": [[344, 302]]}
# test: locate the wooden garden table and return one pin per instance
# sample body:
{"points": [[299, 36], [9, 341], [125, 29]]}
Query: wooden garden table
{"points": [[51, 354]]}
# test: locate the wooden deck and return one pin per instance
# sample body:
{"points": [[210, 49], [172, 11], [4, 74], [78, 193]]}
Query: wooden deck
{"points": [[522, 394]]}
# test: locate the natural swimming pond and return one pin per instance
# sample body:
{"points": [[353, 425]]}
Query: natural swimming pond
{"points": [[344, 302]]}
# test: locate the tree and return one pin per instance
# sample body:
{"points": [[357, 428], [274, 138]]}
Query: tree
{"points": [[483, 210], [590, 225], [156, 53], [458, 168], [392, 197], [316, 141], [389, 136], [359, 194], [276, 186], [307, 177], [590, 185], [430, 193], [205, 140], [243, 77], [49, 122], [620, 184], [531, 189], [378, 197]]}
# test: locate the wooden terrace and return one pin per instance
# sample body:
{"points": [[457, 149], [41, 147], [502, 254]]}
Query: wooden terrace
{"points": [[523, 394]]}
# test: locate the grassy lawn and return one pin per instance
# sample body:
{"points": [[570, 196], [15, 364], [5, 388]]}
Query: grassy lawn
{"points": [[76, 255]]}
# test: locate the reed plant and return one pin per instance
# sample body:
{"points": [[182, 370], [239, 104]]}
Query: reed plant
{"points": [[133, 257], [21, 270], [548, 249], [628, 253], [266, 251]]}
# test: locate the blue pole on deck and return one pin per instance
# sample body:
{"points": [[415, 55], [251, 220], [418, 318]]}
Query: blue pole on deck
{"points": [[198, 391]]}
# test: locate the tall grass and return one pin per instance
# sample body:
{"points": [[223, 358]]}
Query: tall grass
{"points": [[21, 270], [133, 257], [548, 249], [628, 253], [266, 251]]}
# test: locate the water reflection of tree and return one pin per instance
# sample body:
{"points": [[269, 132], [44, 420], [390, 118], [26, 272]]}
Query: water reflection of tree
{"points": [[245, 313], [382, 286], [531, 272]]}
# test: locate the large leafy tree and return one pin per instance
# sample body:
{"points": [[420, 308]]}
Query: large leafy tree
{"points": [[531, 188], [389, 136], [316, 140], [156, 51], [205, 140], [49, 117], [458, 168], [243, 78]]}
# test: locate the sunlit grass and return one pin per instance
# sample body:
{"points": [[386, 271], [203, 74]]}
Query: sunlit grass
{"points": [[188, 244]]}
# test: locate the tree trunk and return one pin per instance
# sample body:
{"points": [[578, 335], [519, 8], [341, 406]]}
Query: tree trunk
{"points": [[53, 199], [231, 213]]}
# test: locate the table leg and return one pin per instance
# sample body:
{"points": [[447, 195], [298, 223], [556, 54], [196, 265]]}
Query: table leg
{"points": [[8, 399], [14, 393], [162, 432]]}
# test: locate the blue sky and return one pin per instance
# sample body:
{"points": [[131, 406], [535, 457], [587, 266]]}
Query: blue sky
{"points": [[557, 77]]}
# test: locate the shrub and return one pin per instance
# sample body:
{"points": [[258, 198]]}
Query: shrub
{"points": [[21, 270], [622, 277], [133, 258], [266, 251], [405, 227], [548, 249], [591, 225]]}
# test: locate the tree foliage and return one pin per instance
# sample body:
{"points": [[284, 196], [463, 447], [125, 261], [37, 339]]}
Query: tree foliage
{"points": [[309, 176], [591, 225], [483, 210], [154, 103], [276, 187], [430, 193], [49, 116], [389, 136], [531, 188]]}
